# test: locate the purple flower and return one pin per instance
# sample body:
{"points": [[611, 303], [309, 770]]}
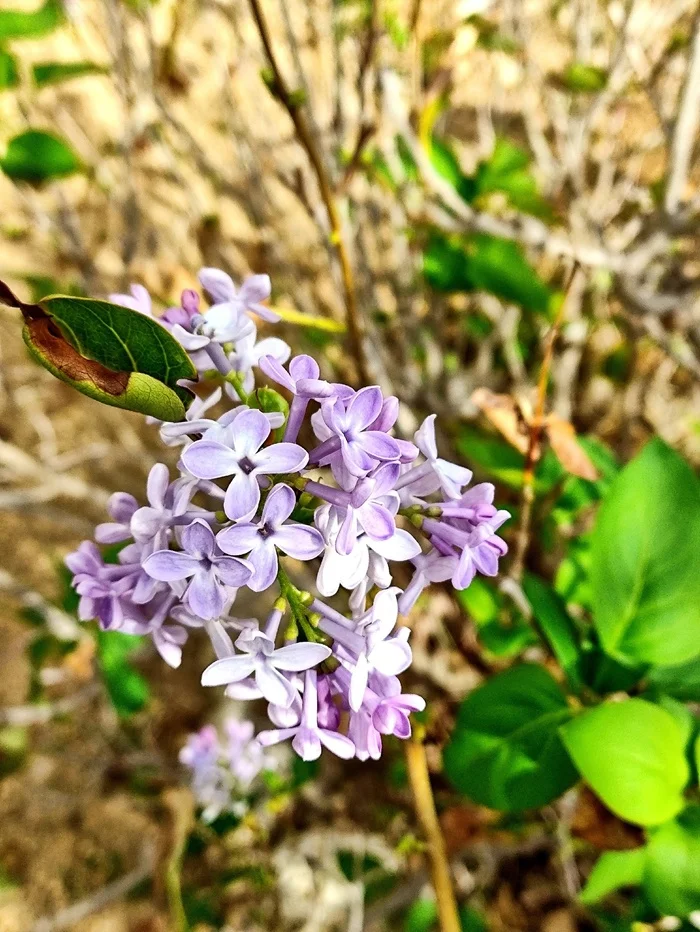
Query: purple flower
{"points": [[359, 448], [139, 300], [261, 540], [430, 567], [435, 473], [255, 289], [248, 354], [166, 504], [241, 456], [103, 590], [260, 659], [308, 735], [121, 507], [209, 572], [370, 507], [220, 324]]}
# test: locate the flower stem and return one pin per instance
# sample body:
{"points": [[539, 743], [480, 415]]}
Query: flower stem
{"points": [[419, 777]]}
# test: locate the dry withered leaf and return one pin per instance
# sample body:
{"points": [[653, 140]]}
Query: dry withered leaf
{"points": [[506, 414], [568, 450]]}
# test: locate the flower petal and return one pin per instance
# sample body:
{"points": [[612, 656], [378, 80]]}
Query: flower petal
{"points": [[228, 670], [233, 572], [307, 744], [169, 566], [255, 288], [300, 656], [274, 687], [401, 546], [278, 506], [264, 562], [249, 431], [205, 595], [209, 459], [242, 497], [364, 408], [380, 446], [377, 521], [281, 457], [239, 538], [198, 540], [336, 743], [218, 285], [299, 541]]}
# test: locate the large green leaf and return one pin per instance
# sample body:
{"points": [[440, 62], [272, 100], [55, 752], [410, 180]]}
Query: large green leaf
{"points": [[9, 75], [632, 755], [645, 567], [506, 752], [19, 24], [672, 870], [111, 353], [53, 72], [35, 156], [612, 870], [682, 681], [556, 625]]}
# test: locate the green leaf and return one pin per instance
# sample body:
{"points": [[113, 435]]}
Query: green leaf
{"points": [[110, 353], [484, 263], [56, 71], [422, 916], [507, 171], [35, 156], [480, 601], [682, 681], [556, 625], [672, 870], [18, 24], [580, 78], [9, 75], [506, 752], [612, 870], [632, 755], [645, 567], [127, 689]]}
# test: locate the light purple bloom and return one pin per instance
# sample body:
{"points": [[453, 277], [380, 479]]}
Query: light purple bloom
{"points": [[372, 506], [308, 736], [260, 659], [248, 354], [359, 447], [255, 289], [139, 300], [262, 539], [435, 473], [241, 456], [209, 572], [121, 507]]}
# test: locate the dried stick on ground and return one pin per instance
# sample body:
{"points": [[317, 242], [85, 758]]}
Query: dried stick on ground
{"points": [[294, 108]]}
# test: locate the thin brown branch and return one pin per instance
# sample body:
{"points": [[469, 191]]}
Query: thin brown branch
{"points": [[425, 808], [686, 129], [294, 108], [535, 435]]}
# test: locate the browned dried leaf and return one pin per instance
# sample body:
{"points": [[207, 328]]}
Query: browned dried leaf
{"points": [[568, 450], [506, 415]]}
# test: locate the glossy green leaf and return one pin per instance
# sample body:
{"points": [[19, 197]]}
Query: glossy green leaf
{"points": [[632, 755], [35, 156], [20, 24], [612, 870], [111, 353], [127, 689], [9, 75], [645, 566], [672, 869], [506, 752], [682, 681], [556, 625], [54, 72]]}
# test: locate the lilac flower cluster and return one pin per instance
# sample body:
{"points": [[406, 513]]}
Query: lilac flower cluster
{"points": [[225, 773], [326, 483]]}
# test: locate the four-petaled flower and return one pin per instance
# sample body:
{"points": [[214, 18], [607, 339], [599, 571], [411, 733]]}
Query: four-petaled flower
{"points": [[240, 455], [261, 540], [260, 659], [211, 574]]}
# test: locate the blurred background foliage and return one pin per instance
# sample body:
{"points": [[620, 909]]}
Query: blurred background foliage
{"points": [[475, 151]]}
